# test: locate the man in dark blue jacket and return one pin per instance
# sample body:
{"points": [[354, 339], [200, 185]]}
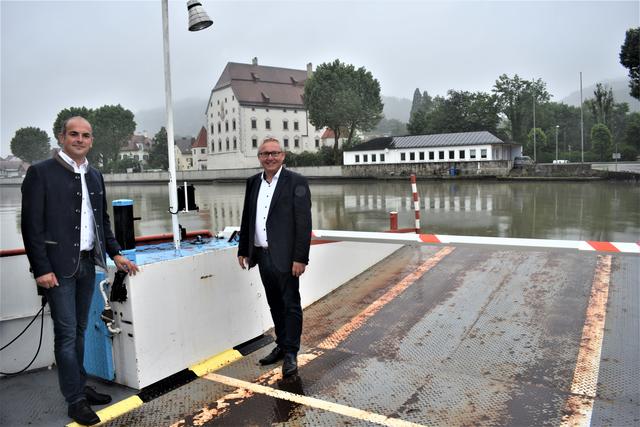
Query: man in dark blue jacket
{"points": [[66, 232], [275, 233]]}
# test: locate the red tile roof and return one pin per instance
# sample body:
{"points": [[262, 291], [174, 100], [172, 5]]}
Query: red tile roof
{"points": [[201, 140], [263, 85]]}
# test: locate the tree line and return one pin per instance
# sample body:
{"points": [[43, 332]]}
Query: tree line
{"points": [[508, 113], [346, 99], [113, 126]]}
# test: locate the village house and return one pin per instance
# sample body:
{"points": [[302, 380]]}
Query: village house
{"points": [[183, 153], [251, 103], [199, 151], [438, 148], [138, 148], [12, 166], [328, 138]]}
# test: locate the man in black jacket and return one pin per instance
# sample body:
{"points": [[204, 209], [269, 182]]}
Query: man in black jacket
{"points": [[275, 233], [66, 232]]}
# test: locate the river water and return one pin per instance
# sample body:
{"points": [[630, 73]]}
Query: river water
{"points": [[594, 210]]}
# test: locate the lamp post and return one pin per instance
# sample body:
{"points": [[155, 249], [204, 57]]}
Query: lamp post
{"points": [[557, 127], [198, 20], [533, 97]]}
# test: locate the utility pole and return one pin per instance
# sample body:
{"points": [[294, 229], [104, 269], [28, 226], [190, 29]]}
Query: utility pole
{"points": [[533, 97], [557, 127], [581, 123]]}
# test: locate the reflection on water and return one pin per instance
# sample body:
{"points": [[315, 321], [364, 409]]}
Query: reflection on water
{"points": [[563, 210]]}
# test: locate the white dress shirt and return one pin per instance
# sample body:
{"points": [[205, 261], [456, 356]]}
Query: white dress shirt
{"points": [[265, 195], [87, 233]]}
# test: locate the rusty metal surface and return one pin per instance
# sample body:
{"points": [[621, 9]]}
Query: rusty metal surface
{"points": [[482, 338], [619, 376]]}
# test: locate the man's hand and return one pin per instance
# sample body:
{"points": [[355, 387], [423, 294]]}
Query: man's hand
{"points": [[123, 263], [243, 261], [298, 268], [47, 281]]}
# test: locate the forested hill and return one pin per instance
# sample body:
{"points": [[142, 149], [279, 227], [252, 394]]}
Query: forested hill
{"points": [[619, 87]]}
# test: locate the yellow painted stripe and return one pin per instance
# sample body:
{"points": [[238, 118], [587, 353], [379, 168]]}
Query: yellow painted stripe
{"points": [[117, 409], [312, 402], [120, 408], [579, 405], [216, 362]]}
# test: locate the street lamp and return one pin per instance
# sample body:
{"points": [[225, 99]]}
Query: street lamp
{"points": [[198, 20], [557, 127]]}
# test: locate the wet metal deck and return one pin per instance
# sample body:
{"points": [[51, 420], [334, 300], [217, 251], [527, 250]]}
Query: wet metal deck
{"points": [[439, 336], [443, 336]]}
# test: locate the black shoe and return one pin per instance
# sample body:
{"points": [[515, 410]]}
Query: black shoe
{"points": [[95, 398], [82, 413], [290, 365], [275, 355]]}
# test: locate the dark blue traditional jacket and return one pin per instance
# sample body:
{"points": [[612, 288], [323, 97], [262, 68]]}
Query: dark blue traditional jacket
{"points": [[51, 212]]}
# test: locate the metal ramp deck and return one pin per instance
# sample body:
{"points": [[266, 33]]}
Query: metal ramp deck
{"points": [[449, 336]]}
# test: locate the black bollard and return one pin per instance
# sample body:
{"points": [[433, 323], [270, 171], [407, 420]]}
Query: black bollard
{"points": [[123, 223]]}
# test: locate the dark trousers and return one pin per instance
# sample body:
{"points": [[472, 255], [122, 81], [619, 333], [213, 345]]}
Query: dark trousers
{"points": [[69, 304], [283, 296]]}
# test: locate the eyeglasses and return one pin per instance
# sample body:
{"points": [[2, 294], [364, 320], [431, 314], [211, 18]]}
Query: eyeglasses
{"points": [[266, 154]]}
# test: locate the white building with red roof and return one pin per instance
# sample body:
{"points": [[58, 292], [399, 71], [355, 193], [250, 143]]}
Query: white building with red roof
{"points": [[199, 151]]}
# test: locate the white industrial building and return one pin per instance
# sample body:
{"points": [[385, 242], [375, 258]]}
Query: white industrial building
{"points": [[445, 147], [251, 103]]}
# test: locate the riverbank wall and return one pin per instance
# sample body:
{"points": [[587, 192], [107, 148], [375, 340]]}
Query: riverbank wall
{"points": [[501, 169], [489, 168]]}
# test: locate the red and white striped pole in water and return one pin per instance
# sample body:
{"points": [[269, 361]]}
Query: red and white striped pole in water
{"points": [[416, 201]]}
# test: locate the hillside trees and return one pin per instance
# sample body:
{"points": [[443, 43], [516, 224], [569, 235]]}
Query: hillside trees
{"points": [[601, 140], [540, 143], [602, 104], [390, 127], [515, 97], [159, 155], [630, 58], [344, 99], [112, 127], [460, 111], [30, 144]]}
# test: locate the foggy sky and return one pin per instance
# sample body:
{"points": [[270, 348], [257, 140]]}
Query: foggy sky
{"points": [[59, 54]]}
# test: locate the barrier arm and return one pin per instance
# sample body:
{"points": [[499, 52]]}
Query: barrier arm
{"points": [[477, 241]]}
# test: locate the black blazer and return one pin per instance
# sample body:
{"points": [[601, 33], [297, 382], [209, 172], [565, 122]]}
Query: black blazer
{"points": [[288, 220], [51, 210]]}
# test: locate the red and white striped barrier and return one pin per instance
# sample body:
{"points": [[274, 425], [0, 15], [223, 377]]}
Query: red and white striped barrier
{"points": [[416, 201], [444, 239]]}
